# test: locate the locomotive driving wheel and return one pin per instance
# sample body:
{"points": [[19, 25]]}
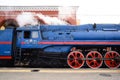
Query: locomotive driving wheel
{"points": [[94, 59], [112, 59], [75, 59]]}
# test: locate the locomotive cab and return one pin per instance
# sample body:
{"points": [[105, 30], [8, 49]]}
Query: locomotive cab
{"points": [[28, 37], [26, 45]]}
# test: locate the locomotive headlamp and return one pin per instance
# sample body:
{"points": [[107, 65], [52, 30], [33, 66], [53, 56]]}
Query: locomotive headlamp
{"points": [[30, 40]]}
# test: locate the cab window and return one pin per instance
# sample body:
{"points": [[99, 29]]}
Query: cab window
{"points": [[35, 34], [27, 34]]}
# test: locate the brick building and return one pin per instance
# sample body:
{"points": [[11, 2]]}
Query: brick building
{"points": [[11, 12]]}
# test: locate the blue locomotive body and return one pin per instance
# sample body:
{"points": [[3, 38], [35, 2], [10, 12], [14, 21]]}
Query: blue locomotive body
{"points": [[62, 38], [6, 39], [70, 42]]}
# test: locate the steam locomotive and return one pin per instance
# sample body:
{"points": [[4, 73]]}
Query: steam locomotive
{"points": [[91, 45]]}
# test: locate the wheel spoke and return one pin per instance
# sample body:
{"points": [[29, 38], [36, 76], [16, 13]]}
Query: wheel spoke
{"points": [[96, 63], [73, 54], [90, 62], [92, 55], [114, 63], [76, 54], [110, 55], [77, 63], [72, 62]]}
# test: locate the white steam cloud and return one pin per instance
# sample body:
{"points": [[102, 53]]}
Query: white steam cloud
{"points": [[51, 20], [29, 18], [66, 16], [26, 18]]}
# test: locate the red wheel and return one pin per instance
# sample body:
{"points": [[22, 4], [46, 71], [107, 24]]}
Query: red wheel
{"points": [[94, 59], [75, 59], [110, 61]]}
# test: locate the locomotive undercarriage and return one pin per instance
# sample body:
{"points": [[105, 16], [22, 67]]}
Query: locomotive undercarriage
{"points": [[78, 57], [94, 57]]}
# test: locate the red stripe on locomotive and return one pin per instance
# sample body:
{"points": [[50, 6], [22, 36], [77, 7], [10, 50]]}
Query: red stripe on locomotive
{"points": [[80, 43], [5, 42], [5, 57]]}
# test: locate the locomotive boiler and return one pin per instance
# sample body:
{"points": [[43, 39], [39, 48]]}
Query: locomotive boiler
{"points": [[91, 45]]}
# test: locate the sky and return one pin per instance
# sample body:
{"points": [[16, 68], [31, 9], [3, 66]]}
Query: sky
{"points": [[89, 11]]}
